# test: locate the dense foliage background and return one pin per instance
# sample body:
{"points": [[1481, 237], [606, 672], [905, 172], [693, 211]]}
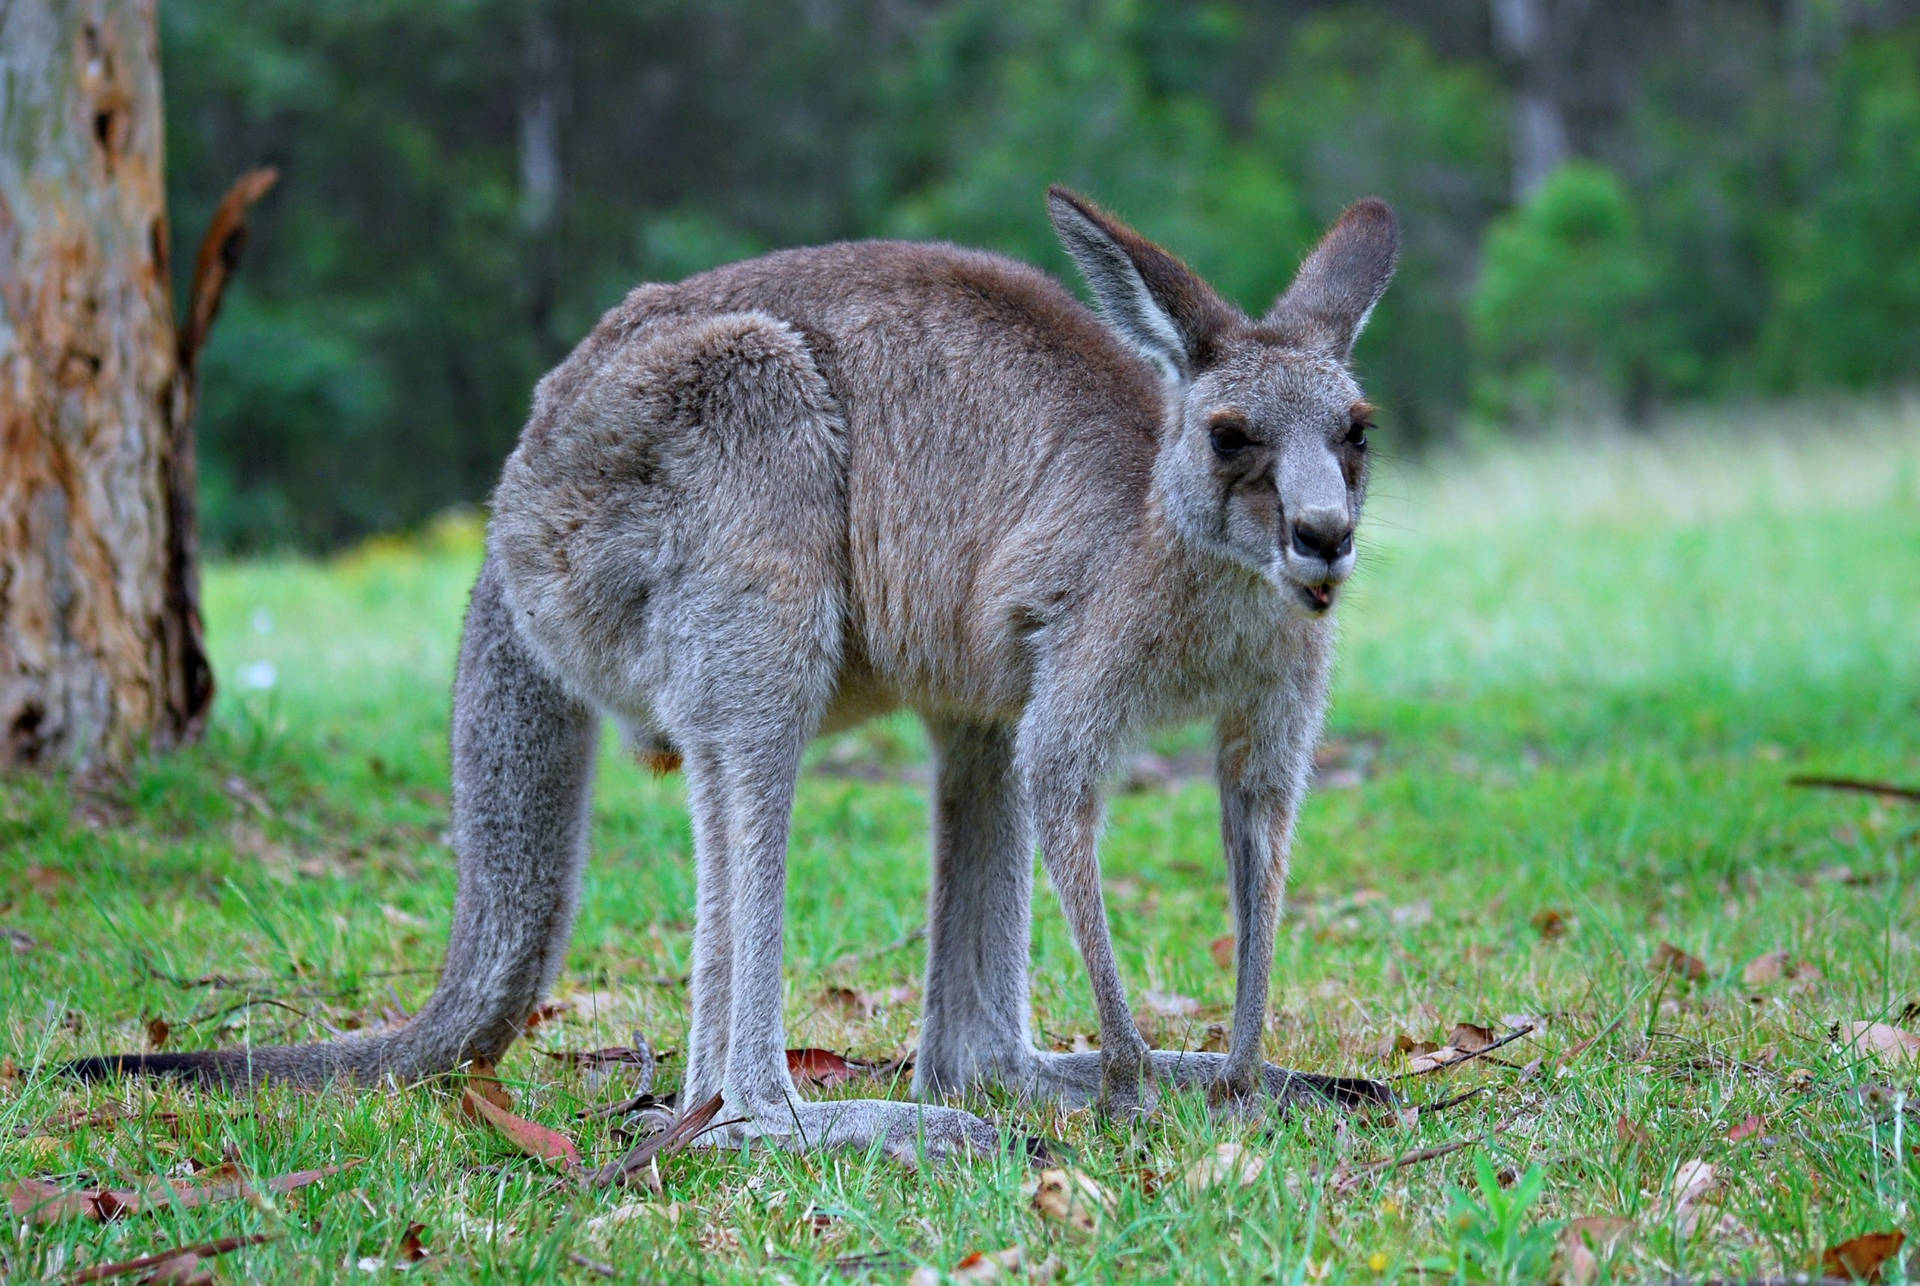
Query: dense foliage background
{"points": [[1608, 207]]}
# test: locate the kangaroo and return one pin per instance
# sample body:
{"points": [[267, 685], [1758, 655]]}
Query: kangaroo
{"points": [[790, 493]]}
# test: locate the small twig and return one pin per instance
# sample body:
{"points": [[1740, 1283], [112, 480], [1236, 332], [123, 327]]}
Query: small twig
{"points": [[900, 943], [1446, 1103], [1859, 786], [1346, 1174], [1525, 1029], [684, 1131], [295, 1010], [205, 1250], [594, 1266]]}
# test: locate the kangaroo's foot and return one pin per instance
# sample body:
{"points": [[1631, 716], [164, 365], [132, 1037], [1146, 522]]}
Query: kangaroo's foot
{"points": [[903, 1131], [1075, 1080]]}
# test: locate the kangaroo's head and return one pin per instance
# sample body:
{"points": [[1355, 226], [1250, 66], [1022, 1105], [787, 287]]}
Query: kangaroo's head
{"points": [[1263, 459]]}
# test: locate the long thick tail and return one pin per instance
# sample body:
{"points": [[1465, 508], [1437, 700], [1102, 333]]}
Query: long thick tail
{"points": [[523, 753]]}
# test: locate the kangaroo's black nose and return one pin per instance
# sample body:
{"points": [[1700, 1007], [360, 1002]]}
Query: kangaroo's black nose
{"points": [[1323, 534]]}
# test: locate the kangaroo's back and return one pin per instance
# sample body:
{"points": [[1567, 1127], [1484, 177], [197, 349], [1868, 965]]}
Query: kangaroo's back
{"points": [[997, 437]]}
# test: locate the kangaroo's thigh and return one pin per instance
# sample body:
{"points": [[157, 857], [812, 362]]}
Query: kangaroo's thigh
{"points": [[672, 529]]}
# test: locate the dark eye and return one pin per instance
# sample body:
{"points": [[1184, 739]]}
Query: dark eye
{"points": [[1229, 434], [1357, 436]]}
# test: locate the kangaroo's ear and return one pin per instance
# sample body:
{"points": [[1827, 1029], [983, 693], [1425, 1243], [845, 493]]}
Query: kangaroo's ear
{"points": [[1341, 280], [1151, 299]]}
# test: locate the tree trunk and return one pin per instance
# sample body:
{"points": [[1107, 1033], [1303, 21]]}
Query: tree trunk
{"points": [[1534, 37], [100, 642]]}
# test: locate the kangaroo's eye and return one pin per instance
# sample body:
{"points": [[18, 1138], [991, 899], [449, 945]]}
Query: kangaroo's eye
{"points": [[1357, 436], [1229, 435]]}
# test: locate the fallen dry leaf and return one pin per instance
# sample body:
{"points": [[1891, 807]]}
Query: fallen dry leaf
{"points": [[1071, 1198], [1668, 958], [1468, 1037], [38, 1201], [864, 1004], [1549, 923], [994, 1266], [822, 1068], [1861, 1258], [157, 1032], [1693, 1185], [1882, 1040], [1771, 967], [1585, 1241], [1747, 1129], [1221, 949], [1168, 1004], [410, 1250], [1632, 1133], [1435, 1058], [1228, 1165], [483, 1084], [531, 1138]]}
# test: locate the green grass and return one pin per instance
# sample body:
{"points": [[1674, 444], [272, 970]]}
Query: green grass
{"points": [[1577, 676]]}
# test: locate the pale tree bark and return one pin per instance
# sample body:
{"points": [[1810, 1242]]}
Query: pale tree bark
{"points": [[100, 641], [1535, 37]]}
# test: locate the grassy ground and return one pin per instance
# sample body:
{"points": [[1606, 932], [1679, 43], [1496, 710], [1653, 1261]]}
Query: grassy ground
{"points": [[1575, 679]]}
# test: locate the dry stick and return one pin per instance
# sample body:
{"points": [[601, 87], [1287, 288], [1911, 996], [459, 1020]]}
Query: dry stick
{"points": [[684, 1131], [1348, 1173], [900, 943], [1860, 786], [1508, 1039], [593, 1265], [205, 1250]]}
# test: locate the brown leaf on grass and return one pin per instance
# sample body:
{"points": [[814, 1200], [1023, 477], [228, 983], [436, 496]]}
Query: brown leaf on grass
{"points": [[1747, 1129], [1549, 923], [482, 1083], [980, 1266], [40, 1202], [1585, 1241], [1861, 1258], [157, 1031], [1401, 1043], [822, 1068], [1631, 1133], [1668, 958], [1070, 1197], [535, 1140], [1470, 1037], [1694, 1184], [1221, 949], [410, 1250], [864, 1004], [1882, 1040], [1228, 1165], [545, 1012], [1169, 1004], [1771, 967]]}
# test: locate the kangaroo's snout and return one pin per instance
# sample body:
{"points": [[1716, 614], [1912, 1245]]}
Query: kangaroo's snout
{"points": [[1323, 533]]}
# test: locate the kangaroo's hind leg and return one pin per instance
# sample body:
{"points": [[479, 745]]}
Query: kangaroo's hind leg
{"points": [[679, 527], [977, 1023]]}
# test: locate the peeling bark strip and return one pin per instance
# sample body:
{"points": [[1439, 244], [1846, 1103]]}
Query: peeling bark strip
{"points": [[100, 641]]}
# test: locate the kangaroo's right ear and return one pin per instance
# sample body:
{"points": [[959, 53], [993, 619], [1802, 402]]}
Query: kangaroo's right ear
{"points": [[1337, 287], [1155, 302]]}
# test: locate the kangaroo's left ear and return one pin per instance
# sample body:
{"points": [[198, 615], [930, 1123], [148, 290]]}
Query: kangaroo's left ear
{"points": [[1150, 299], [1340, 282]]}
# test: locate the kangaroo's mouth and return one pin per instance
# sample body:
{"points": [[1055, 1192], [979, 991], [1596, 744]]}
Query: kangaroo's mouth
{"points": [[1318, 597]]}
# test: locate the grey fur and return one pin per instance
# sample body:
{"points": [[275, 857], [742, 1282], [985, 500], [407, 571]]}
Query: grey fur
{"points": [[785, 495]]}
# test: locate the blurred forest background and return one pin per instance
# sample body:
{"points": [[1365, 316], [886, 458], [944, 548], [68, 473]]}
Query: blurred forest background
{"points": [[1610, 207]]}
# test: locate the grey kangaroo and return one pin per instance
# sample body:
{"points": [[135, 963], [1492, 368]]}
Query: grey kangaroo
{"points": [[786, 495]]}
